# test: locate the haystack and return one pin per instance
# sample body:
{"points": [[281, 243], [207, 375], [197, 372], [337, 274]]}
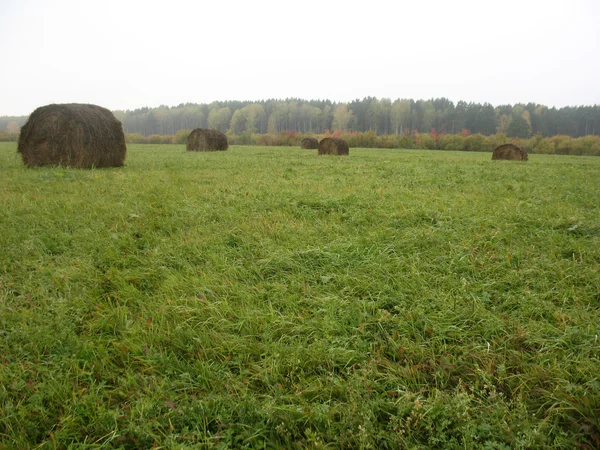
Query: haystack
{"points": [[309, 143], [73, 134], [510, 151], [333, 146], [204, 140]]}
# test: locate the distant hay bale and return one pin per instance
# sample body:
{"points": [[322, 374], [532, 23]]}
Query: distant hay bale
{"points": [[510, 151], [333, 146], [309, 143], [72, 134], [204, 140]]}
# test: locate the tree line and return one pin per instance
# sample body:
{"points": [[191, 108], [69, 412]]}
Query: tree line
{"points": [[382, 116]]}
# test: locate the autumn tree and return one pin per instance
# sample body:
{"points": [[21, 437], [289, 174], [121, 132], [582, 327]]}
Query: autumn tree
{"points": [[238, 122], [12, 126], [255, 118], [428, 119], [219, 119], [373, 114], [342, 117], [400, 114]]}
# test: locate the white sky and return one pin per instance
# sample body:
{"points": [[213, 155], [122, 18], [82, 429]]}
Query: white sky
{"points": [[126, 54]]}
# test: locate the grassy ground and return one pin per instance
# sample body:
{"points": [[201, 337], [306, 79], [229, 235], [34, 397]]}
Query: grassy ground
{"points": [[268, 297]]}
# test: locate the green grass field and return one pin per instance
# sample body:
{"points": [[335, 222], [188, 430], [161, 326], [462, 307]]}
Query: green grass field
{"points": [[271, 298]]}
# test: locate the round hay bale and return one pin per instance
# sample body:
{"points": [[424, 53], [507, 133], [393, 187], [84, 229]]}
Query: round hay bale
{"points": [[309, 143], [72, 134], [333, 146], [205, 140], [510, 151]]}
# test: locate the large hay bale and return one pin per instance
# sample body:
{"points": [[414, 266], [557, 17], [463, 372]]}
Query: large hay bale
{"points": [[204, 140], [309, 143], [510, 151], [72, 134], [333, 146]]}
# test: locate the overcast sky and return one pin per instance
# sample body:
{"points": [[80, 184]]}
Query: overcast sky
{"points": [[127, 54]]}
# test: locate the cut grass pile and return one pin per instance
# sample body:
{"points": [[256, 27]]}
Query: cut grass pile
{"points": [[272, 298]]}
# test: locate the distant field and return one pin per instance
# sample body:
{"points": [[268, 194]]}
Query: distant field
{"points": [[269, 297]]}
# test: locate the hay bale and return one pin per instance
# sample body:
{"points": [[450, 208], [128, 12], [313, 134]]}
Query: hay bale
{"points": [[510, 151], [309, 143], [333, 146], [204, 140], [72, 134]]}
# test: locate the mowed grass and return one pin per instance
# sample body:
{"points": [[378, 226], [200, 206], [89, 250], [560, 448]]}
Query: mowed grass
{"points": [[272, 298]]}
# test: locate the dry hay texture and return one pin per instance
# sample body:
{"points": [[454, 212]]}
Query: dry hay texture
{"points": [[204, 140], [309, 143], [510, 151], [72, 134], [333, 146]]}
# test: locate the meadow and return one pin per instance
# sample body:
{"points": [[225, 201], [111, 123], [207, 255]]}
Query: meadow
{"points": [[272, 298]]}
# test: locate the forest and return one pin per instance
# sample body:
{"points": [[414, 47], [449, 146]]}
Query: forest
{"points": [[381, 116]]}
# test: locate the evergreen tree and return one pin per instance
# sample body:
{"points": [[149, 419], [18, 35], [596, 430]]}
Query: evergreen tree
{"points": [[518, 127]]}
